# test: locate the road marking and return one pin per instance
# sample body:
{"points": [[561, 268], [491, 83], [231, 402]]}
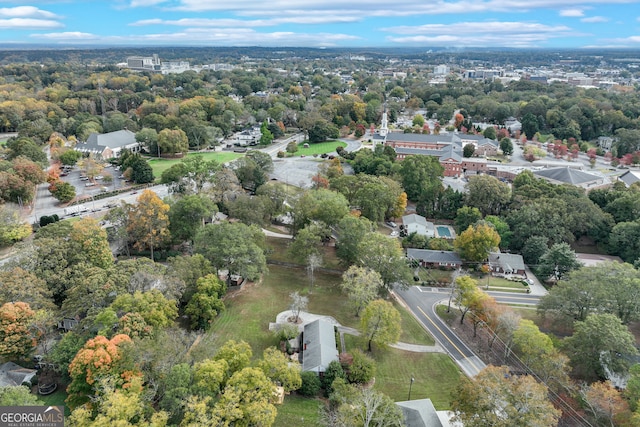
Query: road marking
{"points": [[448, 339]]}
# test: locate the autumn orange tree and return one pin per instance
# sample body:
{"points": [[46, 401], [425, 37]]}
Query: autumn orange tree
{"points": [[16, 340], [148, 224], [99, 357]]}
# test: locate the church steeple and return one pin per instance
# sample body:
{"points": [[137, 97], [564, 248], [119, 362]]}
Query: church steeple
{"points": [[384, 129]]}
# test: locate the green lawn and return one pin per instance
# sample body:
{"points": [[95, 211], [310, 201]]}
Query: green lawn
{"points": [[412, 331], [279, 251], [299, 411], [435, 375], [249, 312], [56, 399], [319, 148], [427, 274], [161, 165], [499, 282]]}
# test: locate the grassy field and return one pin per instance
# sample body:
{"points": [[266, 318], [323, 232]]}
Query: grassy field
{"points": [[412, 331], [319, 148], [299, 411], [56, 399], [279, 251], [161, 165], [435, 375], [250, 310]]}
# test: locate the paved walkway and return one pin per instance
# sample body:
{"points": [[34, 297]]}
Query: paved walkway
{"points": [[306, 317], [274, 234]]}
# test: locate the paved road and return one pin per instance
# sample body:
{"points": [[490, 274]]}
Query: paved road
{"points": [[422, 302], [515, 298]]}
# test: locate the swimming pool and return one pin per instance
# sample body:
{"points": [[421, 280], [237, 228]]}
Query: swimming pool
{"points": [[443, 231]]}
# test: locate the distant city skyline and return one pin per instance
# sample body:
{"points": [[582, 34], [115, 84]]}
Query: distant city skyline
{"points": [[326, 23]]}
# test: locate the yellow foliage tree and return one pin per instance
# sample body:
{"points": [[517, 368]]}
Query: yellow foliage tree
{"points": [[148, 224]]}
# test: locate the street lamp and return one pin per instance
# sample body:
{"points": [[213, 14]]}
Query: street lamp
{"points": [[410, 384]]}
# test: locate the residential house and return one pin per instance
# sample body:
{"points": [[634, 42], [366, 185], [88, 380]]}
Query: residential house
{"points": [[422, 413], [247, 137], [630, 177], [109, 145], [513, 125], [434, 258], [503, 264], [12, 375], [67, 324], [415, 223], [318, 346], [606, 142]]}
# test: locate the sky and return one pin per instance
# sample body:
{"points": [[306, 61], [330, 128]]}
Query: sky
{"points": [[323, 23]]}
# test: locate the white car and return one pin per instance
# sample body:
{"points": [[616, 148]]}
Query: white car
{"points": [[394, 234]]}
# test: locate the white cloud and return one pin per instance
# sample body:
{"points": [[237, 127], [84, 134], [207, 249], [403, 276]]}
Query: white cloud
{"points": [[210, 37], [383, 7], [66, 36], [204, 22], [511, 34], [573, 13], [466, 28], [26, 12], [625, 42], [28, 24], [595, 19], [146, 3]]}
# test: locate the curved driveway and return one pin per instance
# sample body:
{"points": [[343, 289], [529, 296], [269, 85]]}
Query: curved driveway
{"points": [[422, 302]]}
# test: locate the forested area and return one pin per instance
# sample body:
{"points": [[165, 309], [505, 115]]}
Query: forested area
{"points": [[135, 347]]}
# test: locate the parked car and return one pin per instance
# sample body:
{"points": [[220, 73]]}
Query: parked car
{"points": [[392, 224]]}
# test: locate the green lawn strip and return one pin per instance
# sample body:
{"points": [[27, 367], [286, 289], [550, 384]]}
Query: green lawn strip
{"points": [[448, 317], [435, 375], [412, 331], [319, 148], [298, 410], [161, 165], [427, 274], [499, 282]]}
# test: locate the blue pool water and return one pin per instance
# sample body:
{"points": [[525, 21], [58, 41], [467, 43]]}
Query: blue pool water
{"points": [[443, 231]]}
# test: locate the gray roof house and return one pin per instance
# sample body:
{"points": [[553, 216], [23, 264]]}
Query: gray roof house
{"points": [[414, 223], [428, 257], [630, 177], [420, 413], [318, 346], [567, 175], [15, 375], [108, 145], [506, 264]]}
